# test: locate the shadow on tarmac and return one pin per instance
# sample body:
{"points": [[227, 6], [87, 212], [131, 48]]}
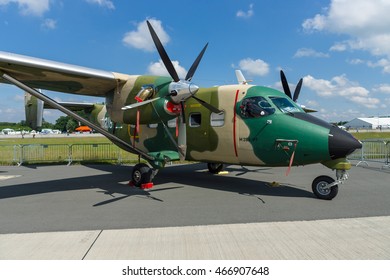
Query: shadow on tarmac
{"points": [[189, 175]]}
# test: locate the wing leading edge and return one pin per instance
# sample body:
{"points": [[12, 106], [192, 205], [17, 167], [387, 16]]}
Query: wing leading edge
{"points": [[57, 76]]}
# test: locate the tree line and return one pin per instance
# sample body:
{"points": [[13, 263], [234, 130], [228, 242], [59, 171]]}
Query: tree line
{"points": [[63, 123]]}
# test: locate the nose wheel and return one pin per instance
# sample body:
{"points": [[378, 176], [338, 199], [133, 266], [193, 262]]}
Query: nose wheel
{"points": [[324, 187]]}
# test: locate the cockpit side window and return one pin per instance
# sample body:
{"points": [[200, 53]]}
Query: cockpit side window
{"points": [[255, 107], [284, 105]]}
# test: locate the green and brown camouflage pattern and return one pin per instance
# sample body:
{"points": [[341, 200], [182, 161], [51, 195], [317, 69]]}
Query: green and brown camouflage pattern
{"points": [[245, 141], [268, 140]]}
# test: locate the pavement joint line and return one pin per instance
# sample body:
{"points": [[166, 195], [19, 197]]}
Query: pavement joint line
{"points": [[93, 243]]}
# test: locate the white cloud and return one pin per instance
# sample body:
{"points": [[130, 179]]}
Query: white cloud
{"points": [[253, 67], [29, 7], [311, 103], [339, 47], [317, 23], [355, 61], [306, 52], [19, 98], [141, 39], [247, 14], [365, 22], [340, 86], [383, 63], [383, 88], [158, 69], [320, 86], [49, 24], [103, 3]]}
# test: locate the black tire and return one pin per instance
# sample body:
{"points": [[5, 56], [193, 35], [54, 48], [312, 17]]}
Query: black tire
{"points": [[142, 174], [323, 193], [215, 168]]}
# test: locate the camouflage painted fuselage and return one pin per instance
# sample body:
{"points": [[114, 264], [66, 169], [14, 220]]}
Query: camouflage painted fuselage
{"points": [[253, 129]]}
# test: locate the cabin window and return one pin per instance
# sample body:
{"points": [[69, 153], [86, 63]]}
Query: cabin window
{"points": [[255, 107], [284, 105], [195, 119], [217, 119]]}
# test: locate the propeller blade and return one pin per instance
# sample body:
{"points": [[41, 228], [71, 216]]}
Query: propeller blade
{"points": [[207, 105], [135, 105], [163, 54], [194, 65], [297, 90], [286, 88]]}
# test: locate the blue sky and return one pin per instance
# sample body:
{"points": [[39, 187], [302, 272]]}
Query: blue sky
{"points": [[340, 47]]}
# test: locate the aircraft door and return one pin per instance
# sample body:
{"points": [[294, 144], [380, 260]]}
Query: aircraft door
{"points": [[253, 115]]}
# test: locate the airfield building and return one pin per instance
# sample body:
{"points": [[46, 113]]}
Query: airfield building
{"points": [[369, 123]]}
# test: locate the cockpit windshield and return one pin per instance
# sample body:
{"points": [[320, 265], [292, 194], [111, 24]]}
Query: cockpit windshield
{"points": [[284, 105], [254, 107]]}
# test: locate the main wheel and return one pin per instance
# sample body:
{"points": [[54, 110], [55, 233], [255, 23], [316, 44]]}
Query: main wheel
{"points": [[215, 168], [319, 187], [142, 174]]}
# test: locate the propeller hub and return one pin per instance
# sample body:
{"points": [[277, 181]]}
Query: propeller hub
{"points": [[182, 90]]}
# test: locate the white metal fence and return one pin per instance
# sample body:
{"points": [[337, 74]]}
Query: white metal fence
{"points": [[41, 153], [373, 151]]}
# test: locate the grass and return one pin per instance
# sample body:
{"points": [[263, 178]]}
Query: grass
{"points": [[54, 140], [371, 135]]}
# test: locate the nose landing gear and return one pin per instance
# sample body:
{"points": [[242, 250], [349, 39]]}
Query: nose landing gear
{"points": [[325, 187]]}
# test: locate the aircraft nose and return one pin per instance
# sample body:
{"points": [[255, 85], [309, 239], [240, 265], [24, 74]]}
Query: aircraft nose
{"points": [[341, 143]]}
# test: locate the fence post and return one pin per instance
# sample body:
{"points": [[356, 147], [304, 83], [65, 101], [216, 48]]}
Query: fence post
{"points": [[17, 157], [69, 155], [362, 157], [387, 163]]}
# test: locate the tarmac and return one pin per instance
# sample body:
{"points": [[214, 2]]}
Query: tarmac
{"points": [[62, 213]]}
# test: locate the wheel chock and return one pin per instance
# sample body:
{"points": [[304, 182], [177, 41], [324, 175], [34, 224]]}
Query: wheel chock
{"points": [[146, 186], [143, 186], [273, 184]]}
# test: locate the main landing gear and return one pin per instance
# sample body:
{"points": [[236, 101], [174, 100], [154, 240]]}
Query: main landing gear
{"points": [[142, 176], [325, 187], [215, 168]]}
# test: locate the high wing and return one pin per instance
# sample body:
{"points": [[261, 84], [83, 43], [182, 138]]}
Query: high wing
{"points": [[57, 76], [73, 106]]}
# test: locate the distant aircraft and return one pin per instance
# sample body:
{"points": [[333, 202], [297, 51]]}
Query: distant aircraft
{"points": [[165, 119]]}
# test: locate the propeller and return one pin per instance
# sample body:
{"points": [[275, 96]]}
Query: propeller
{"points": [[179, 90], [297, 90], [183, 89], [286, 87], [163, 54]]}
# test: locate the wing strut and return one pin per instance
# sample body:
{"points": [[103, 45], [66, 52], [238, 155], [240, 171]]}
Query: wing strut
{"points": [[122, 144]]}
